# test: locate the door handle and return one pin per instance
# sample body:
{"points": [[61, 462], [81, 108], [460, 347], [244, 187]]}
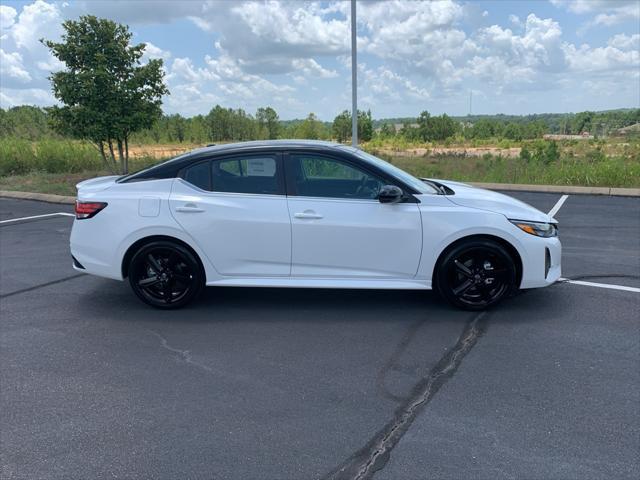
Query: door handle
{"points": [[189, 208], [308, 215]]}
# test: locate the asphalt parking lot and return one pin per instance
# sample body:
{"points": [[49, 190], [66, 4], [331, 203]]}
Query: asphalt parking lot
{"points": [[297, 384]]}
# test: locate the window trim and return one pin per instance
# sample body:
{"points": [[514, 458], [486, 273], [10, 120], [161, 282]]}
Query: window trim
{"points": [[277, 156], [350, 161]]}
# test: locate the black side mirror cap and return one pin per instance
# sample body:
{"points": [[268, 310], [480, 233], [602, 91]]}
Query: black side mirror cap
{"points": [[390, 194]]}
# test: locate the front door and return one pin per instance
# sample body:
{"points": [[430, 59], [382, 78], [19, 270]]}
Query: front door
{"points": [[236, 211], [340, 229]]}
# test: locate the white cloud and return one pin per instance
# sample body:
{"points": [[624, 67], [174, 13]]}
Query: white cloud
{"points": [[37, 20], [311, 68], [11, 97], [152, 51], [625, 42], [278, 53], [607, 59], [607, 12], [11, 66], [7, 16]]}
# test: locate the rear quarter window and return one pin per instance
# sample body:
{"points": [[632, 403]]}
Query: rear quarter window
{"points": [[198, 175]]}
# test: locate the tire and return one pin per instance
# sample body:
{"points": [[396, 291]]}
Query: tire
{"points": [[166, 275], [475, 274]]}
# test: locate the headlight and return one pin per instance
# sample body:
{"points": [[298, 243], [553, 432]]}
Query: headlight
{"points": [[545, 230]]}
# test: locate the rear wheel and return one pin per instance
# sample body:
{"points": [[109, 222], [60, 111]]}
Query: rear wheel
{"points": [[164, 274], [476, 274]]}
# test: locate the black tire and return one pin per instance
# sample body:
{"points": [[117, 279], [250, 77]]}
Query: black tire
{"points": [[475, 274], [165, 275]]}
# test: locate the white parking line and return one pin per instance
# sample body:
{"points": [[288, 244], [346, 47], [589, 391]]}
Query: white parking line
{"points": [[601, 285], [558, 205], [64, 214]]}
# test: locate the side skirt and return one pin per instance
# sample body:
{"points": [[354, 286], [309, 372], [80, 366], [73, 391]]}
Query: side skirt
{"points": [[288, 282]]}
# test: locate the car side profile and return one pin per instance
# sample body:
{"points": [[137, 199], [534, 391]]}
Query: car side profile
{"points": [[307, 214]]}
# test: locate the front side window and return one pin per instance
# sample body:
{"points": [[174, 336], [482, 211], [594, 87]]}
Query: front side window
{"points": [[319, 176], [252, 174]]}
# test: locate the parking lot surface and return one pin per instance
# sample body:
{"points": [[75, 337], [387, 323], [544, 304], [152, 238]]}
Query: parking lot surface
{"points": [[297, 383]]}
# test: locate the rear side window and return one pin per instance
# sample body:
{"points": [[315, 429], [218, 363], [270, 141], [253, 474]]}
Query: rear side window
{"points": [[198, 175], [253, 174]]}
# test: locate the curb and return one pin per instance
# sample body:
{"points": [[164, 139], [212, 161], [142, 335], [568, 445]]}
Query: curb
{"points": [[609, 191], [41, 197]]}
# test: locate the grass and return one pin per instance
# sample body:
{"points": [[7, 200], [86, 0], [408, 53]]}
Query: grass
{"points": [[56, 166], [611, 172]]}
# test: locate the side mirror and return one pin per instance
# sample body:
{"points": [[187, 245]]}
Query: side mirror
{"points": [[390, 194]]}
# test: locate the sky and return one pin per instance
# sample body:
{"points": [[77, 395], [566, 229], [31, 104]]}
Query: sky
{"points": [[511, 57]]}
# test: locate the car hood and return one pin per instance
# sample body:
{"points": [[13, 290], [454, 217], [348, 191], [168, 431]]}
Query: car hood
{"points": [[468, 196]]}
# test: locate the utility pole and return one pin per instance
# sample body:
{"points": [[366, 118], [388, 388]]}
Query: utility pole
{"points": [[354, 77], [470, 101]]}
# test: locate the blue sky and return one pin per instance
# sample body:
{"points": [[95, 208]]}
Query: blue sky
{"points": [[517, 57]]}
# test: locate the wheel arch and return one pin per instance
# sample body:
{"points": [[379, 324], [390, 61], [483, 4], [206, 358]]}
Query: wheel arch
{"points": [[511, 250], [135, 246]]}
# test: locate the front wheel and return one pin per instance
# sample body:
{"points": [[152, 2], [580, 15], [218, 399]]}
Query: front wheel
{"points": [[476, 274], [165, 275]]}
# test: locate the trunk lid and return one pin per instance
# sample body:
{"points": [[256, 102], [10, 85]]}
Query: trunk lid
{"points": [[94, 185]]}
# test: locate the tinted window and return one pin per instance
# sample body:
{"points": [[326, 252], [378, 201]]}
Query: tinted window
{"points": [[245, 175], [198, 175], [319, 176]]}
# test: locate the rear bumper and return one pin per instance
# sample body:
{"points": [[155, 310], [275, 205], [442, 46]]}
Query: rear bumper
{"points": [[541, 263]]}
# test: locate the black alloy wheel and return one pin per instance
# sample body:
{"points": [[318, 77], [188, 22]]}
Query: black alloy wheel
{"points": [[476, 274], [164, 274]]}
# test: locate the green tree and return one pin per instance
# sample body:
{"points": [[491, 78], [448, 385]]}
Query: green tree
{"points": [[436, 128], [310, 128], [106, 93], [365, 126], [342, 126], [268, 121]]}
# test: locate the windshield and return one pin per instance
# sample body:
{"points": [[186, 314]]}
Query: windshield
{"points": [[394, 171]]}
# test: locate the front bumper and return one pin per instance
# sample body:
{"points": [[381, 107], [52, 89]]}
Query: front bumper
{"points": [[542, 262]]}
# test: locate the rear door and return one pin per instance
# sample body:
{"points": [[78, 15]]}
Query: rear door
{"points": [[340, 229], [235, 209]]}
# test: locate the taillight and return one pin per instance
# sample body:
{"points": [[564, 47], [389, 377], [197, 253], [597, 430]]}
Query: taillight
{"points": [[88, 209]]}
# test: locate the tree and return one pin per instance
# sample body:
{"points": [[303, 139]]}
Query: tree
{"points": [[436, 128], [310, 128], [268, 121], [106, 93], [342, 126], [365, 126], [177, 126]]}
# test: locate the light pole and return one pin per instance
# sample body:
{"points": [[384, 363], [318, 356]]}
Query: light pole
{"points": [[354, 77]]}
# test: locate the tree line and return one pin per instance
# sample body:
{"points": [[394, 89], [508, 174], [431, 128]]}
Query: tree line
{"points": [[227, 124]]}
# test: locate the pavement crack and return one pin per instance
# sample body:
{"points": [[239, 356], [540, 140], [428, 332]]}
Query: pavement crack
{"points": [[181, 355], [375, 454], [42, 285]]}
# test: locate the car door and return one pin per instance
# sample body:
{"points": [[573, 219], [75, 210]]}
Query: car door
{"points": [[340, 229], [235, 209]]}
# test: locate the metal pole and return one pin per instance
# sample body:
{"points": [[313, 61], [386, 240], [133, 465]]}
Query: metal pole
{"points": [[354, 77]]}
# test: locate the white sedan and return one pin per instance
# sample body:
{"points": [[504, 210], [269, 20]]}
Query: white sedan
{"points": [[307, 214]]}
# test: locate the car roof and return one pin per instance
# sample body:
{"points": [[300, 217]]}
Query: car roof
{"points": [[170, 167], [267, 144]]}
